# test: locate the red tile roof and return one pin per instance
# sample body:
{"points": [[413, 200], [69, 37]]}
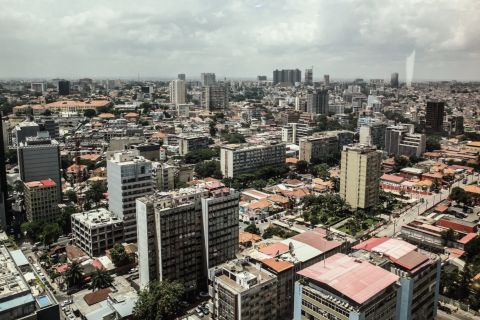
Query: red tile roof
{"points": [[97, 296]]}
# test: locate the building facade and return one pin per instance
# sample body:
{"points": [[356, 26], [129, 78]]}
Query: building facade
{"points": [[434, 115], [41, 200], [208, 79], [290, 76], [215, 99], [63, 88], [373, 134], [178, 92], [400, 141], [190, 143], [326, 80], [292, 132], [163, 176], [181, 76], [394, 80], [317, 102], [318, 147], [309, 77]]}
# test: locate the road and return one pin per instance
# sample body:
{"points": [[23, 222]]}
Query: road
{"points": [[414, 212], [454, 316]]}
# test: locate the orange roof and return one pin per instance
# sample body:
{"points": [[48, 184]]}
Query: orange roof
{"points": [[158, 135], [292, 160], [93, 103], [294, 181], [74, 168], [472, 188], [278, 266], [260, 204], [247, 236], [131, 114], [106, 115], [278, 198]]}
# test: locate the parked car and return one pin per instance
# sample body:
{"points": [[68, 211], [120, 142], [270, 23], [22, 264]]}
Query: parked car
{"points": [[184, 303], [199, 312], [24, 248], [204, 310], [38, 244], [204, 294]]}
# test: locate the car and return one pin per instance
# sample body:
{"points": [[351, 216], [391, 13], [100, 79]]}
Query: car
{"points": [[204, 310], [71, 317], [199, 312], [41, 275], [66, 303], [246, 222], [204, 294], [184, 303], [38, 244], [24, 248], [464, 181]]}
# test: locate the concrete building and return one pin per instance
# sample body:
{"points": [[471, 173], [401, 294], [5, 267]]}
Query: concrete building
{"points": [[49, 125], [63, 88], [365, 121], [344, 137], [342, 118], [41, 200], [178, 92], [360, 176], [337, 108], [317, 102], [292, 132], [301, 103], [39, 87], [346, 288], [309, 77], [290, 117], [419, 274], [150, 151], [183, 110], [326, 79], [129, 177], [97, 230], [237, 159], [147, 89], [261, 78], [394, 80], [373, 134], [243, 290], [290, 76], [208, 79], [434, 115], [311, 148], [181, 76], [24, 130], [215, 99], [39, 159], [190, 143], [400, 140], [163, 176]]}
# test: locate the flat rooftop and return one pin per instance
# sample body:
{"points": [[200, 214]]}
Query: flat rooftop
{"points": [[97, 218]]}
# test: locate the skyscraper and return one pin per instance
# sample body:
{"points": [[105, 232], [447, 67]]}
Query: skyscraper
{"points": [[309, 77], [394, 80], [215, 98], [291, 76], [317, 102], [360, 176], [178, 91], [434, 115], [63, 88], [3, 182], [326, 80], [207, 79], [181, 76]]}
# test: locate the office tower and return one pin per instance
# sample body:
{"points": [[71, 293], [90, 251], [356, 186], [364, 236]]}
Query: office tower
{"points": [[196, 228], [292, 132], [56, 81], [63, 88], [86, 80], [4, 206], [207, 79], [419, 273], [39, 159], [309, 77], [373, 134], [215, 99], [301, 103], [261, 78], [39, 87], [181, 76], [317, 102], [326, 79], [394, 80], [96, 231], [290, 76], [163, 176], [41, 200], [344, 287], [147, 89], [178, 92], [129, 178], [236, 159], [360, 176], [434, 115], [311, 148], [25, 129], [399, 140], [289, 117], [193, 142], [49, 125], [111, 84]]}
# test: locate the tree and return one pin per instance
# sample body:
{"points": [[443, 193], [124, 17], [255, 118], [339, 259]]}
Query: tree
{"points": [[180, 184], [64, 219], [435, 183], [449, 234], [89, 113], [50, 233], [96, 190], [252, 228], [11, 155], [460, 195], [158, 301], [18, 186], [119, 255], [234, 138], [71, 195], [414, 159], [33, 228], [73, 273], [47, 113], [213, 131], [302, 166], [208, 168], [259, 184], [401, 162], [101, 278], [432, 144], [402, 193]]}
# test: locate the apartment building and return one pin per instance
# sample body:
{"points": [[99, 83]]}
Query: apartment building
{"points": [[39, 159], [207, 79], [183, 110], [289, 75], [23, 130], [343, 119], [129, 177], [215, 99], [236, 159], [292, 132], [317, 102], [400, 140], [39, 87], [373, 134], [344, 137], [97, 230], [178, 92], [163, 176], [41, 200], [337, 108], [346, 288], [419, 275], [311, 147], [434, 113], [360, 176], [188, 143], [243, 290], [290, 117], [301, 103], [76, 106]]}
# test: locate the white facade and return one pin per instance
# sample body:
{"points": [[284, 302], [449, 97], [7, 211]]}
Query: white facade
{"points": [[178, 92]]}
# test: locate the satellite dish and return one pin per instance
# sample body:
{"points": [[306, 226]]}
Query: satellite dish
{"points": [[290, 247], [238, 267]]}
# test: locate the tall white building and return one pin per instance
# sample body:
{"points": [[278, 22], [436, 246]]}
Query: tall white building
{"points": [[129, 177], [178, 92], [292, 132]]}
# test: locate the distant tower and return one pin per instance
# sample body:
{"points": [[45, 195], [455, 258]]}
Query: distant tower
{"points": [[394, 80], [326, 80], [181, 76], [309, 77]]}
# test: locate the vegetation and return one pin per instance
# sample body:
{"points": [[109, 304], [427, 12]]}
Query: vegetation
{"points": [[401, 162], [64, 219], [243, 181], [325, 209], [120, 256], [233, 138], [279, 232], [96, 191], [460, 195], [252, 228], [208, 169], [433, 143], [73, 273], [202, 155], [50, 233], [449, 235], [158, 301], [101, 279]]}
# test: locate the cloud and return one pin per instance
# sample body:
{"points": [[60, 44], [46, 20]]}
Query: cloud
{"points": [[243, 38]]}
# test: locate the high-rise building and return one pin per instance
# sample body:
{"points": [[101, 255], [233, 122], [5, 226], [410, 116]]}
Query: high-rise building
{"points": [[39, 159], [394, 80], [39, 87], [41, 200], [63, 88], [317, 147], [163, 176], [261, 78], [23, 130], [111, 84], [86, 80], [192, 142], [178, 92], [292, 132], [147, 89], [301, 103], [207, 79], [129, 177], [49, 125], [373, 134], [400, 140], [309, 77], [360, 176], [215, 99], [290, 76], [326, 79], [317, 102], [181, 76], [434, 115], [4, 205], [235, 159]]}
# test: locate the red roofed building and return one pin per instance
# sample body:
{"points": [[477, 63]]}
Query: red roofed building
{"points": [[41, 200], [458, 224]]}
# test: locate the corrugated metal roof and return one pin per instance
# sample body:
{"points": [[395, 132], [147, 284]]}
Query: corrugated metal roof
{"points": [[302, 251], [16, 302], [19, 258]]}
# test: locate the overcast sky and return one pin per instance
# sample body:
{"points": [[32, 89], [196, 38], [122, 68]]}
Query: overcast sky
{"points": [[343, 38]]}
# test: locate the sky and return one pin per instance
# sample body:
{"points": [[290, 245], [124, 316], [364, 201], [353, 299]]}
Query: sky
{"points": [[239, 39]]}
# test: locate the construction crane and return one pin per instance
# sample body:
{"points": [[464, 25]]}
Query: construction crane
{"points": [[78, 173]]}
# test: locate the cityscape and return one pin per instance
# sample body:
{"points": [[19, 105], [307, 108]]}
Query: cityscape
{"points": [[236, 161]]}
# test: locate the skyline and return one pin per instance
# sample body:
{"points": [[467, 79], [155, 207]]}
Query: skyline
{"points": [[239, 39]]}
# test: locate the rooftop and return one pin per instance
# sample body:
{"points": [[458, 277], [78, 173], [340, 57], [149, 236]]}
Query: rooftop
{"points": [[97, 218], [40, 184]]}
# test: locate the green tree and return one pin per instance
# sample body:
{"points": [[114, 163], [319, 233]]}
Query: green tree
{"points": [[71, 195], [34, 228], [11, 155], [158, 301], [252, 228], [449, 234], [50, 233], [73, 273], [460, 195], [401, 162], [414, 159], [259, 184], [96, 190], [119, 255], [89, 113], [208, 168], [234, 138], [433, 143], [101, 278], [302, 166], [64, 219], [18, 186]]}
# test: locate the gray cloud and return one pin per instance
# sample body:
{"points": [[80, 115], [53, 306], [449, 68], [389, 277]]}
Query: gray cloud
{"points": [[345, 38]]}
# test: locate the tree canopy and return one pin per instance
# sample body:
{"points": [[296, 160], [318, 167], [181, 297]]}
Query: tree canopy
{"points": [[279, 232], [158, 301], [208, 169], [252, 228]]}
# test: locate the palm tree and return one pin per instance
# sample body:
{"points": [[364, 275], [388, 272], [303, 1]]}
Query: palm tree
{"points": [[74, 273], [101, 279]]}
